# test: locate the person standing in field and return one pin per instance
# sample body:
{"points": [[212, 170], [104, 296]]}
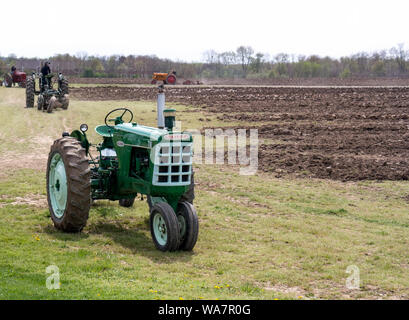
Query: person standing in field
{"points": [[46, 70]]}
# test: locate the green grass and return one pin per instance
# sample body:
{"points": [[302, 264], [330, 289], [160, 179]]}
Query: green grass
{"points": [[260, 237]]}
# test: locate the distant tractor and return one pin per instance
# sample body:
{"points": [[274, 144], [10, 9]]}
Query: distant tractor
{"points": [[14, 77], [167, 78], [48, 97]]}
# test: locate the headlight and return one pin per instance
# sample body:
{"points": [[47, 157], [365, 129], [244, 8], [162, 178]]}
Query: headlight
{"points": [[83, 127]]}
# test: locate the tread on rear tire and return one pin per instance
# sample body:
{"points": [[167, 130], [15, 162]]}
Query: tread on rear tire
{"points": [[30, 92]]}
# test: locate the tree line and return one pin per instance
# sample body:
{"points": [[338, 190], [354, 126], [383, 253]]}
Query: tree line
{"points": [[243, 62]]}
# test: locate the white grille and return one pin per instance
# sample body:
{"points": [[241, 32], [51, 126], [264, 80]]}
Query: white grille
{"points": [[173, 164]]}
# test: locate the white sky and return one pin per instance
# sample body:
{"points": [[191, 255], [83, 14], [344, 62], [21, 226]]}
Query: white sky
{"points": [[183, 29]]}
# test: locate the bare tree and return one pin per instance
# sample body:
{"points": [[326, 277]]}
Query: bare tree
{"points": [[228, 58], [245, 55], [210, 56], [400, 57], [281, 58], [257, 62]]}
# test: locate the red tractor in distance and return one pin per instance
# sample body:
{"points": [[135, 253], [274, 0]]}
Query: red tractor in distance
{"points": [[14, 77]]}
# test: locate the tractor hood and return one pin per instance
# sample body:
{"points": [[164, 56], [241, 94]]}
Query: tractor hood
{"points": [[153, 134]]}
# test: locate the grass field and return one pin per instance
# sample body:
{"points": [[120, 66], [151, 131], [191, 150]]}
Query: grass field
{"points": [[260, 237]]}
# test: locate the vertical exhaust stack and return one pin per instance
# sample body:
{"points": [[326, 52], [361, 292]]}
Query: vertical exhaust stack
{"points": [[161, 107]]}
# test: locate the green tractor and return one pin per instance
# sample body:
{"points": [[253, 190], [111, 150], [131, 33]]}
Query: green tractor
{"points": [[48, 97], [132, 160]]}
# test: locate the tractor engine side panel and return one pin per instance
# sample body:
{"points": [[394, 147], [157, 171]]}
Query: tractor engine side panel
{"points": [[134, 174]]}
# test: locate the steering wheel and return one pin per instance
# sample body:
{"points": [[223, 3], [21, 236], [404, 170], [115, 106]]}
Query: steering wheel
{"points": [[117, 120]]}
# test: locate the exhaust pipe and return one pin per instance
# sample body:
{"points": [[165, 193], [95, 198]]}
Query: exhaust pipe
{"points": [[161, 107]]}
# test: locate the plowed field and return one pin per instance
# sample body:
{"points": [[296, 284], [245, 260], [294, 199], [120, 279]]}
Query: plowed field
{"points": [[341, 133]]}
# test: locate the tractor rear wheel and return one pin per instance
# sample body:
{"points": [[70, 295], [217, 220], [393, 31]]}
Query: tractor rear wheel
{"points": [[188, 226], [68, 185], [126, 202], [29, 92], [164, 227], [64, 86], [153, 81], [171, 79]]}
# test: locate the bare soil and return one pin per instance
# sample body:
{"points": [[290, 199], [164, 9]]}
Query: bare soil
{"points": [[108, 80], [241, 81], [341, 133]]}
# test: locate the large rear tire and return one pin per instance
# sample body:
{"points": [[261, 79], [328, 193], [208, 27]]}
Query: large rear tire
{"points": [[68, 185], [164, 227], [171, 79], [64, 87], [29, 92]]}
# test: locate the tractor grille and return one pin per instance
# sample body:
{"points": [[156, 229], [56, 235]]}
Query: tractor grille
{"points": [[173, 164]]}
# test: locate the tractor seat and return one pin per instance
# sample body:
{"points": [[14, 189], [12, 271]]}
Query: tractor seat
{"points": [[104, 131]]}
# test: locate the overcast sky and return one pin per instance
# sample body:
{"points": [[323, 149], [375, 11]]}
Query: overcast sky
{"points": [[184, 29]]}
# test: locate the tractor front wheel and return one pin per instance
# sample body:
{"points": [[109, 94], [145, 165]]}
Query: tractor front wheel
{"points": [[188, 225], [127, 203], [29, 92], [51, 104], [68, 185], [164, 227], [189, 195], [40, 102], [65, 101]]}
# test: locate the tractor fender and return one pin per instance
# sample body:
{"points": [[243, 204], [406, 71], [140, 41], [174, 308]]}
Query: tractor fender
{"points": [[82, 138]]}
